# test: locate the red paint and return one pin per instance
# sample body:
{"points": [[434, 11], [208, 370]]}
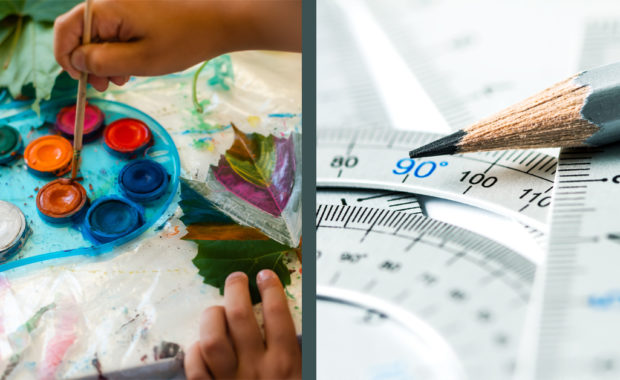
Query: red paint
{"points": [[127, 135], [61, 198]]}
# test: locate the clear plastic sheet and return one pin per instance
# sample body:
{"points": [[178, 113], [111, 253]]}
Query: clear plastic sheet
{"points": [[137, 308]]}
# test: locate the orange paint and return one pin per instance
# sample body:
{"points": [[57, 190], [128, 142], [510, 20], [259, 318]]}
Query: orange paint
{"points": [[49, 155], [61, 198], [173, 233]]}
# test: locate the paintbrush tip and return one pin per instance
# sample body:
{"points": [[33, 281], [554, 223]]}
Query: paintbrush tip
{"points": [[445, 145]]}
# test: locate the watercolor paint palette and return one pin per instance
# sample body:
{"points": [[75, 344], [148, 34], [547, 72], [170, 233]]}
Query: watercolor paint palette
{"points": [[99, 176]]}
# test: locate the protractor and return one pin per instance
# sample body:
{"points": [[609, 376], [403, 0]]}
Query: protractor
{"points": [[513, 183], [417, 287]]}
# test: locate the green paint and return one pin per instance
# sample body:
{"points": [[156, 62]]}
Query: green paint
{"points": [[202, 144], [289, 295], [222, 76], [222, 72]]}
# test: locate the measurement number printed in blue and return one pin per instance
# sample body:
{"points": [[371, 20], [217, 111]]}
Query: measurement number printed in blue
{"points": [[423, 170]]}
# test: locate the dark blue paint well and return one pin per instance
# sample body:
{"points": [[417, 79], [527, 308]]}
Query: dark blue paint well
{"points": [[143, 180], [112, 217]]}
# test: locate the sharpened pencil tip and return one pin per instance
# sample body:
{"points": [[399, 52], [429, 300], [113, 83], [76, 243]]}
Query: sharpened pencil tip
{"points": [[444, 145]]}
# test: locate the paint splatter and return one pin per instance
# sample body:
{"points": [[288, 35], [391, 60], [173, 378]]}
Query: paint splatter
{"points": [[97, 364], [174, 232], [284, 115], [204, 143], [223, 74], [254, 121], [64, 337]]}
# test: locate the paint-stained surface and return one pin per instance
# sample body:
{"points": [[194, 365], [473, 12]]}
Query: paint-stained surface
{"points": [[142, 301]]}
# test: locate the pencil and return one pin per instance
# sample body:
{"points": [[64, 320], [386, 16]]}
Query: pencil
{"points": [[583, 110], [81, 97]]}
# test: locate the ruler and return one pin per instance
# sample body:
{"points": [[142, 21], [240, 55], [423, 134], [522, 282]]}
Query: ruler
{"points": [[516, 183], [578, 323], [345, 90], [433, 270]]}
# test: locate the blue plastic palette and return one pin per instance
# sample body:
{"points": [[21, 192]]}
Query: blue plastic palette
{"points": [[100, 171]]}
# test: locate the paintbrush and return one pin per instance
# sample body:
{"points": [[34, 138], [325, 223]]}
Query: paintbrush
{"points": [[81, 97], [583, 110]]}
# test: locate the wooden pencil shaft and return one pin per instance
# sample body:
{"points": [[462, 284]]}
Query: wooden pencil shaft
{"points": [[549, 118], [583, 110], [78, 130]]}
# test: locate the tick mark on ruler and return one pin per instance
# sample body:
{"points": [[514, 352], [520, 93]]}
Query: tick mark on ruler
{"points": [[465, 192]]}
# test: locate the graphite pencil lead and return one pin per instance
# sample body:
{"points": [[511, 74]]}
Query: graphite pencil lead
{"points": [[583, 110], [445, 145]]}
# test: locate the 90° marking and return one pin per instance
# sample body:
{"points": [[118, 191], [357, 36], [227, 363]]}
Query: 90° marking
{"points": [[423, 170]]}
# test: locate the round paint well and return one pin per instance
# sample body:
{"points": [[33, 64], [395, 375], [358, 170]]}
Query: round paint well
{"points": [[143, 180], [62, 201], [93, 121], [126, 137], [112, 217], [13, 229], [49, 155], [10, 143]]}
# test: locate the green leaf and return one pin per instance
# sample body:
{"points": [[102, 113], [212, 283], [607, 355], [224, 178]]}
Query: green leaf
{"points": [[32, 61], [26, 45], [198, 209], [216, 259], [253, 157], [39, 10]]}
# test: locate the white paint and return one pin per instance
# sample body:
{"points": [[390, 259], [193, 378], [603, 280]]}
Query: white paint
{"points": [[12, 225]]}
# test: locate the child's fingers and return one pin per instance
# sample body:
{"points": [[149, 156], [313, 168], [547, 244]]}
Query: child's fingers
{"points": [[195, 368], [215, 345], [111, 59], [119, 80], [67, 36], [242, 324], [279, 327], [99, 83]]}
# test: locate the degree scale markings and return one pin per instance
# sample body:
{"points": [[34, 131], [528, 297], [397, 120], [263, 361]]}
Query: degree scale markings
{"points": [[471, 290], [515, 183]]}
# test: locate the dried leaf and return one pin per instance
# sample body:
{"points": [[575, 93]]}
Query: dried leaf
{"points": [[213, 231]]}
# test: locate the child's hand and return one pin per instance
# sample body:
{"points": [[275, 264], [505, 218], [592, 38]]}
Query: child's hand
{"points": [[162, 36], [231, 345]]}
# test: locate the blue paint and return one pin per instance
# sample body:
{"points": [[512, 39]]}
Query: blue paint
{"points": [[112, 217], [284, 115], [143, 180]]}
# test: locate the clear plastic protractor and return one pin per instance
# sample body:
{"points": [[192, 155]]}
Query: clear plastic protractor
{"points": [[513, 183], [459, 286]]}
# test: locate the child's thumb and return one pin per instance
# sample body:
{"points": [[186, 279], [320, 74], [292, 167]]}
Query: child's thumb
{"points": [[108, 59]]}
